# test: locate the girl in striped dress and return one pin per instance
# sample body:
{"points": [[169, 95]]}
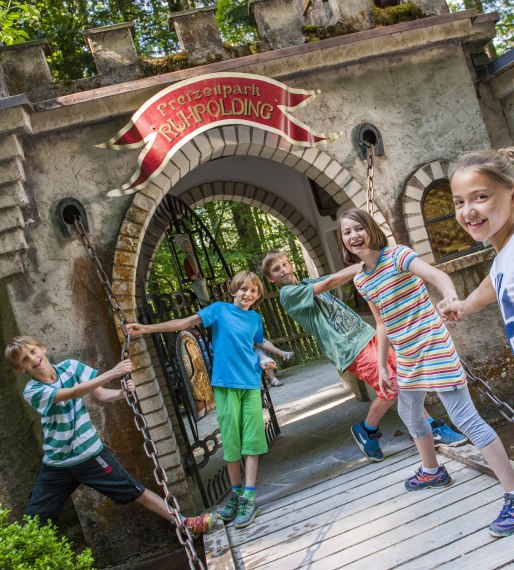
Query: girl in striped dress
{"points": [[392, 281]]}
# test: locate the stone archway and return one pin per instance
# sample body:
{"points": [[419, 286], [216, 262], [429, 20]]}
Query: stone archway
{"points": [[314, 163], [414, 192]]}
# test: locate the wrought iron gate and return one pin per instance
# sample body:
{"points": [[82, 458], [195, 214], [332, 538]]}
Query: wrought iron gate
{"points": [[200, 276]]}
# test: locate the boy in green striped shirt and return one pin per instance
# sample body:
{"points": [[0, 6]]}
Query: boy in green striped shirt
{"points": [[73, 451]]}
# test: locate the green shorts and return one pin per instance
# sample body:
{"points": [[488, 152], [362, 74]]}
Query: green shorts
{"points": [[240, 421]]}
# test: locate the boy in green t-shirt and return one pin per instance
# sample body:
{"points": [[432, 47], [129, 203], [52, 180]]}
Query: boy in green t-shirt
{"points": [[347, 341], [73, 451]]}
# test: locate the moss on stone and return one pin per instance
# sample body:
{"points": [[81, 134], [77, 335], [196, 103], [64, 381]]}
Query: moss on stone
{"points": [[316, 33], [396, 14]]}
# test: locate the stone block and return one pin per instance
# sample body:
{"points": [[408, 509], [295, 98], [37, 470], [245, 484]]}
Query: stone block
{"points": [[357, 13], [14, 115], [12, 240], [11, 171], [26, 70], [13, 194], [198, 34], [278, 22], [9, 147], [11, 264], [11, 218], [432, 7], [113, 50]]}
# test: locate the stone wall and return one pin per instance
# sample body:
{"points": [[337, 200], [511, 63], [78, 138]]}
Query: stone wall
{"points": [[417, 82]]}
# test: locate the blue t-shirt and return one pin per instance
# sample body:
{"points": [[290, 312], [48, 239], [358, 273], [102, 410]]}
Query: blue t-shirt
{"points": [[234, 332]]}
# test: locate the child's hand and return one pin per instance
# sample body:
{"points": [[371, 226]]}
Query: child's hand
{"points": [[385, 384], [130, 386], [122, 368], [135, 329], [287, 356], [450, 309]]}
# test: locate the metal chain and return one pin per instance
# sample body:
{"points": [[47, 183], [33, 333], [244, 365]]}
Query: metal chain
{"points": [[485, 389], [183, 533], [370, 192]]}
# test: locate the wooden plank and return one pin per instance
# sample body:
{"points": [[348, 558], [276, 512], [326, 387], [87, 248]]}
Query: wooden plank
{"points": [[437, 558], [495, 555], [345, 518], [218, 555], [350, 532], [333, 494], [439, 528]]}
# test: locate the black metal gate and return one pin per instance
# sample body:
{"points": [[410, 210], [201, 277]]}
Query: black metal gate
{"points": [[200, 276]]}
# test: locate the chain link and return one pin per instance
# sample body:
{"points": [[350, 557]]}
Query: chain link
{"points": [[370, 192], [183, 534], [485, 389]]}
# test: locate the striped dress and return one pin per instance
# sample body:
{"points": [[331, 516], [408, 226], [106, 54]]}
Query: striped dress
{"points": [[426, 355], [69, 437]]}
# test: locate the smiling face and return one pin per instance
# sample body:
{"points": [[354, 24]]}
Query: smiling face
{"points": [[483, 206], [32, 360], [281, 272], [355, 236], [247, 295]]}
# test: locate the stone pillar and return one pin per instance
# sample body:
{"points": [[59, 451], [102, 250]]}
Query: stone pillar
{"points": [[358, 13], [278, 22], [315, 12], [198, 34], [431, 7], [113, 50], [25, 70], [14, 120]]}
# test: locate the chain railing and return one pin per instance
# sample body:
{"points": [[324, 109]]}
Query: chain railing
{"points": [[485, 389], [370, 190], [183, 534]]}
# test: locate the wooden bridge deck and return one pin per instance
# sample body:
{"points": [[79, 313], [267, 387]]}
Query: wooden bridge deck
{"points": [[364, 519]]}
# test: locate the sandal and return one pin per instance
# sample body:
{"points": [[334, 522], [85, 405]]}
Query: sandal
{"points": [[276, 382]]}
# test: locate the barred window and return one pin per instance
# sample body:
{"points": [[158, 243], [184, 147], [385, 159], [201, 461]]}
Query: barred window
{"points": [[447, 238]]}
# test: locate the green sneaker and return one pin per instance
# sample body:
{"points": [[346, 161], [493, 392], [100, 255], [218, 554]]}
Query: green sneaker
{"points": [[246, 512], [229, 511]]}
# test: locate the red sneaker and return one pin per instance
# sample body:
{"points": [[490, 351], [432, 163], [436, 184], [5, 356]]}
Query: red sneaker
{"points": [[199, 525]]}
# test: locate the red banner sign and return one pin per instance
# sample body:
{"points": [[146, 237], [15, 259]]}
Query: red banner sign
{"points": [[177, 114]]}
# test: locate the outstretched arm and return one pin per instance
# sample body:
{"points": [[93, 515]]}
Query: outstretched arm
{"points": [[122, 368], [439, 279], [109, 395], [337, 279], [175, 325], [383, 344], [482, 296]]}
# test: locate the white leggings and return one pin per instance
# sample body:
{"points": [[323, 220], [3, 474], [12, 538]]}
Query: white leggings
{"points": [[460, 408]]}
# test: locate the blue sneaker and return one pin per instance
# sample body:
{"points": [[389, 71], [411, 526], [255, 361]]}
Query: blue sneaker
{"points": [[368, 441], [504, 524], [246, 512], [444, 435], [423, 480]]}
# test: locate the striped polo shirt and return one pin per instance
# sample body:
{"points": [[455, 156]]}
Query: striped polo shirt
{"points": [[68, 434], [426, 355]]}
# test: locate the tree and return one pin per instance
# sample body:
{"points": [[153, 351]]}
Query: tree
{"points": [[505, 27], [13, 16]]}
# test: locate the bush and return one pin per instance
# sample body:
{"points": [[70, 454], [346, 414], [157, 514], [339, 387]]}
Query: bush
{"points": [[30, 546]]}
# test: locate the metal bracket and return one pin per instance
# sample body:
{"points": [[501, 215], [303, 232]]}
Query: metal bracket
{"points": [[67, 211], [366, 134]]}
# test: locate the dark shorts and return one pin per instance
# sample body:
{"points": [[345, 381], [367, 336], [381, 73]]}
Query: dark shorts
{"points": [[102, 473]]}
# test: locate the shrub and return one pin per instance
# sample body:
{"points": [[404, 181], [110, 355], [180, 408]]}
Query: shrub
{"points": [[29, 546]]}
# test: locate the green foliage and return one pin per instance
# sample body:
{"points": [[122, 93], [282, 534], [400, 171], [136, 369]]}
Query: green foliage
{"points": [[504, 28], [243, 234], [29, 546], [13, 15], [235, 22], [396, 14]]}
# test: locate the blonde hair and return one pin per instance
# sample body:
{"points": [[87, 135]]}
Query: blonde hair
{"points": [[269, 260], [240, 279], [15, 346], [377, 238], [496, 164]]}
